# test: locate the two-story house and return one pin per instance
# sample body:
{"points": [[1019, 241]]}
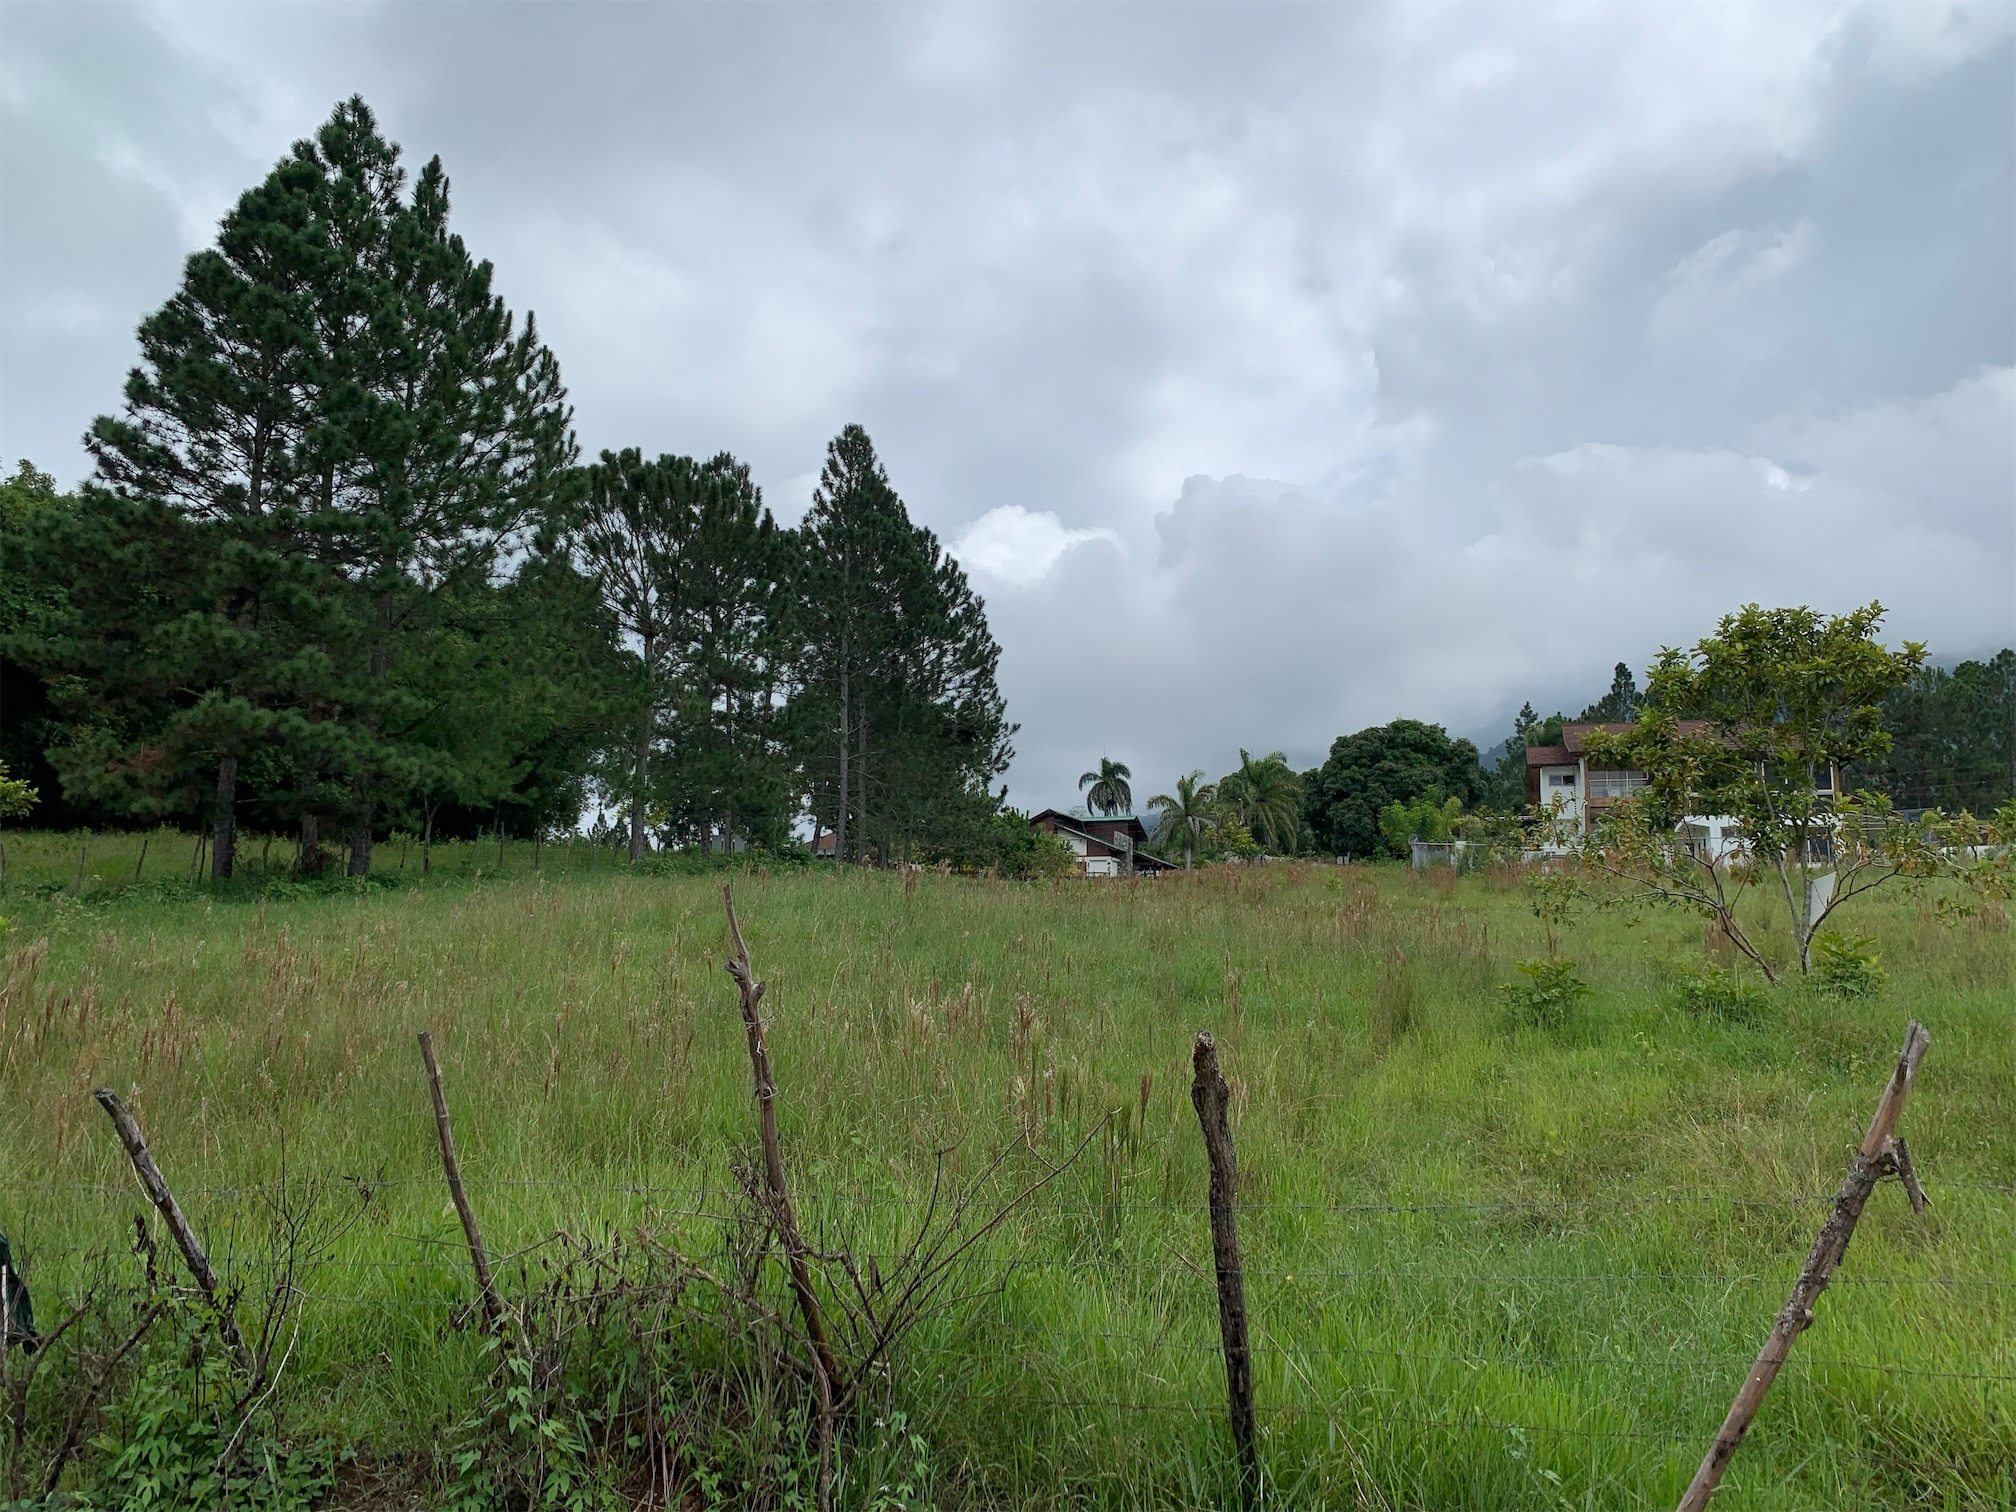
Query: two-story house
{"points": [[1564, 774], [1102, 845]]}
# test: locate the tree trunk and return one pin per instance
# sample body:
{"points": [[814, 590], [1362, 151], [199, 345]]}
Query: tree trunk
{"points": [[643, 758], [381, 667], [360, 834], [861, 780], [224, 841], [309, 862], [840, 817]]}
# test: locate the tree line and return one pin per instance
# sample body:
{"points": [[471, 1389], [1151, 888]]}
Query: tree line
{"points": [[1949, 742], [340, 569]]}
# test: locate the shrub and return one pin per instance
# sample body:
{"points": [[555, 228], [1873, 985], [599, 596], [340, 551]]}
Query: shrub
{"points": [[1846, 968], [1227, 840], [1546, 998], [1720, 994], [1429, 817]]}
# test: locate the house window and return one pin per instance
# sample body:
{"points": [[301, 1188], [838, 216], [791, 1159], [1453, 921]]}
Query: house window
{"points": [[1560, 779], [1616, 784]]}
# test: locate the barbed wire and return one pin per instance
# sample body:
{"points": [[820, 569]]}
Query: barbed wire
{"points": [[813, 1199]]}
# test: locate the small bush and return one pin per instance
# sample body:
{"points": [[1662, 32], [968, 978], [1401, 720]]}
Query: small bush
{"points": [[175, 1440], [1546, 998], [1718, 993], [1846, 968]]}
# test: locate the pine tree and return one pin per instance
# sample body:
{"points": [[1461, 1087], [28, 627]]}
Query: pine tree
{"points": [[442, 433], [856, 546], [897, 693], [628, 535], [214, 423], [735, 614], [1621, 704]]}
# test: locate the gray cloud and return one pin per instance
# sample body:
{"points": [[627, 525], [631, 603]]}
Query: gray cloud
{"points": [[1567, 328]]}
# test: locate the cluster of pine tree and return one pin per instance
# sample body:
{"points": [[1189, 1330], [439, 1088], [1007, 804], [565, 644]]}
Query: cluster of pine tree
{"points": [[338, 570]]}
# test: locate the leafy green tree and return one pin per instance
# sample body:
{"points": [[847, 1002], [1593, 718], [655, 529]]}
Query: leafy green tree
{"points": [[1952, 738], [1265, 796], [945, 727], [1752, 723], [29, 601], [1394, 763], [16, 796], [1429, 817], [1110, 790], [1186, 814]]}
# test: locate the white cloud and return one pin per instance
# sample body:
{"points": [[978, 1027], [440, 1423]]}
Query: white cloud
{"points": [[1019, 546], [1570, 327], [1276, 617]]}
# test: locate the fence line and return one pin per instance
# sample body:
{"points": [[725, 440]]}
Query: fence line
{"points": [[873, 1199]]}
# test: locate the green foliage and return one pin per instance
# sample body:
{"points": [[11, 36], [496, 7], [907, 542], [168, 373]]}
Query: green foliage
{"points": [[1619, 706], [1718, 993], [167, 1443], [1547, 996], [1107, 789], [1264, 797], [1752, 723], [1951, 735], [16, 796], [899, 719], [1025, 852], [529, 1446], [1226, 839], [1184, 816], [1368, 771], [1845, 967], [1429, 817]]}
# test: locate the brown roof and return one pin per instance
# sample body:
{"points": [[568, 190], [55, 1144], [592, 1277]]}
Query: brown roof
{"points": [[1539, 756], [1572, 734]]}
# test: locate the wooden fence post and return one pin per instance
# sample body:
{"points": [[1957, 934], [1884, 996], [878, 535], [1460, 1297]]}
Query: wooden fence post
{"points": [[156, 1187], [493, 1310], [1211, 1098], [831, 1382], [1880, 1154]]}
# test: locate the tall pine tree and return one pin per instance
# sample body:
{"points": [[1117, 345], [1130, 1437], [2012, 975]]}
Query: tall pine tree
{"points": [[213, 429], [444, 433], [900, 711]]}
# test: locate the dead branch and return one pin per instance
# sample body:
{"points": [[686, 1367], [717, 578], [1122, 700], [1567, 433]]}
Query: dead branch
{"points": [[163, 1199], [493, 1309], [1877, 1155], [831, 1382]]}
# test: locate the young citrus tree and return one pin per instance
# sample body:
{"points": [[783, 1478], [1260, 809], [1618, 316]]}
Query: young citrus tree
{"points": [[1755, 724]]}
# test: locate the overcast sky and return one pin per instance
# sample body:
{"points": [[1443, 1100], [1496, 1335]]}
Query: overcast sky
{"points": [[1275, 371]]}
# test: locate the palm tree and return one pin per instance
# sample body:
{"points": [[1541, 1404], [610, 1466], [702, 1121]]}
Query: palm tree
{"points": [[1110, 793], [1186, 815], [1266, 795]]}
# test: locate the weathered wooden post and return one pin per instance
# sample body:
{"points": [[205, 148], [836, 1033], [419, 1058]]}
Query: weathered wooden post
{"points": [[1212, 1099], [493, 1310], [831, 1382], [1880, 1153], [156, 1187]]}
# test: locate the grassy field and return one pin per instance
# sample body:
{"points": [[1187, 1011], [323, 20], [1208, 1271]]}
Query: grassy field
{"points": [[1488, 1266]]}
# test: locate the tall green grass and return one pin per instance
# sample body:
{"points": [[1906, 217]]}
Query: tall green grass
{"points": [[1488, 1266]]}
